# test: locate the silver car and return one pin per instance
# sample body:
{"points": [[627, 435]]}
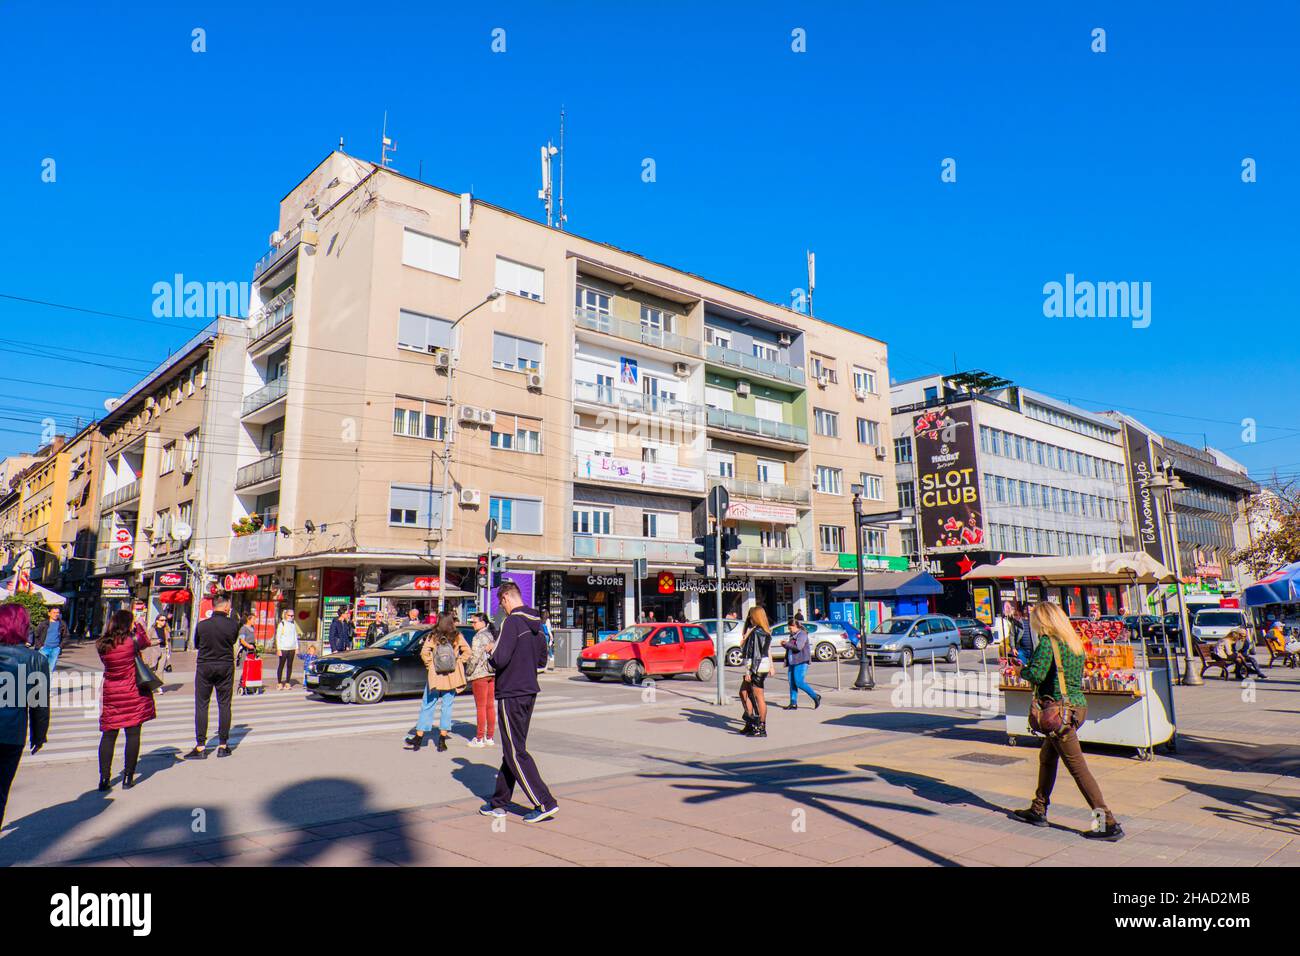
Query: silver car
{"points": [[827, 639], [731, 633], [900, 640]]}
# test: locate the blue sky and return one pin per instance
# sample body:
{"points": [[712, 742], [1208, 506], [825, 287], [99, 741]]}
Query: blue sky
{"points": [[1115, 166]]}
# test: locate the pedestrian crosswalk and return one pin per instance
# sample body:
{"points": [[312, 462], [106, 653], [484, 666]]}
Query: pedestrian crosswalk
{"points": [[278, 716]]}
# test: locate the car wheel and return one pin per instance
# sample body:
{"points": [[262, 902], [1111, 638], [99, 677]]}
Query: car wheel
{"points": [[905, 659], [370, 688], [824, 652], [593, 677], [733, 657], [633, 672], [980, 642], [704, 673], [951, 658]]}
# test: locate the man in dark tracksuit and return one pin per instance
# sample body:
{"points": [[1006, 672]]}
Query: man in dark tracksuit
{"points": [[517, 656], [215, 670]]}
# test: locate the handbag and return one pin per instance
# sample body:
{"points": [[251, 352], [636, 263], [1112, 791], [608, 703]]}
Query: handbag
{"points": [[1048, 717], [145, 679]]}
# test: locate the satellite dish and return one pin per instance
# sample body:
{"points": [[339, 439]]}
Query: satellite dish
{"points": [[111, 403], [181, 531]]}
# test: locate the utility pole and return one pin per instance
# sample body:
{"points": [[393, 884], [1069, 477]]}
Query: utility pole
{"points": [[1165, 483]]}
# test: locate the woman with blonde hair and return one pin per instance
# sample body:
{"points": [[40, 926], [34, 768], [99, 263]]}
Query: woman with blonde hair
{"points": [[755, 657], [1055, 674]]}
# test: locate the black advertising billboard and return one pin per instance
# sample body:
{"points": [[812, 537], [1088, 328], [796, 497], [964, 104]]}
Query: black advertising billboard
{"points": [[1146, 508], [948, 490]]}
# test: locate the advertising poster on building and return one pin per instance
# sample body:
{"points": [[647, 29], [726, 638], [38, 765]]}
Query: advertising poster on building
{"points": [[525, 581], [1146, 509], [948, 482]]}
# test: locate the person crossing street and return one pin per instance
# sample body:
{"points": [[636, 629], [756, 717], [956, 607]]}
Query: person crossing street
{"points": [[214, 671], [516, 658]]}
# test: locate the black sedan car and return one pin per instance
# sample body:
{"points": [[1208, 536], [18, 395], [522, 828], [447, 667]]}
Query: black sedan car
{"points": [[387, 668], [974, 633]]}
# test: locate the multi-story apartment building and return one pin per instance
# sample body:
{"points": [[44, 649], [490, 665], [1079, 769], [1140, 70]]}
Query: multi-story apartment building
{"points": [[990, 469], [77, 582], [595, 397], [167, 473], [40, 523]]}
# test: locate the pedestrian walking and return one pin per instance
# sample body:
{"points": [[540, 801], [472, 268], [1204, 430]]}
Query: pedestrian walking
{"points": [[49, 637], [1055, 673], [341, 631], [550, 641], [517, 654], [445, 654], [214, 670], [1014, 633], [798, 657], [756, 658], [125, 705], [162, 643], [287, 635], [482, 680], [24, 717]]}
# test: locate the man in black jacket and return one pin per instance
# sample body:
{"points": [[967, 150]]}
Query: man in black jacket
{"points": [[516, 657], [215, 670], [341, 632]]}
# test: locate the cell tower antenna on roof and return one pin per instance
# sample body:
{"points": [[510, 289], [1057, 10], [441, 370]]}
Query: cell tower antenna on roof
{"points": [[386, 145]]}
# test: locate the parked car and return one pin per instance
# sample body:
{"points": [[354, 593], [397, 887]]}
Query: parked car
{"points": [[651, 650], [900, 639], [731, 634], [974, 633], [387, 668], [1148, 625], [826, 638], [1212, 625]]}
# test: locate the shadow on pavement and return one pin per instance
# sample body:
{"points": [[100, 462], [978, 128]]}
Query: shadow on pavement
{"points": [[24, 839], [1267, 811], [312, 803], [479, 779], [1236, 755]]}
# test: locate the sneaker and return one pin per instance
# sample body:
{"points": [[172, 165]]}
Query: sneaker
{"points": [[224, 751], [817, 702], [1031, 816], [1109, 834], [537, 816], [476, 742], [490, 811], [196, 754], [489, 742]]}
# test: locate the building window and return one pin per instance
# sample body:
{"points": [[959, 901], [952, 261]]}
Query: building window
{"points": [[827, 423], [659, 524], [873, 487], [820, 367], [430, 254], [517, 515], [874, 541], [415, 506], [718, 337], [414, 418], [519, 279], [656, 319], [422, 333], [593, 301], [516, 354], [903, 450], [868, 432], [185, 512], [722, 464], [831, 538], [589, 520], [517, 433], [864, 381], [906, 495], [168, 462], [830, 481], [764, 351]]}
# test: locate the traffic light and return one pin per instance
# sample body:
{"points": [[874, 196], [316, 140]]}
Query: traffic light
{"points": [[730, 542], [498, 570], [705, 545], [482, 572]]}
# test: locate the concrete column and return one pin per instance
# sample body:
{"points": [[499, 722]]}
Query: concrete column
{"points": [[629, 599], [751, 598], [693, 606], [801, 598]]}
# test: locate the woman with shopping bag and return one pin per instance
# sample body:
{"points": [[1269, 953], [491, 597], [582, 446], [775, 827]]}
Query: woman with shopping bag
{"points": [[127, 694]]}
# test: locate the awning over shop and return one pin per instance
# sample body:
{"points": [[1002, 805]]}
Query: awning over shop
{"points": [[1280, 587], [49, 597], [1132, 567], [889, 584], [410, 593]]}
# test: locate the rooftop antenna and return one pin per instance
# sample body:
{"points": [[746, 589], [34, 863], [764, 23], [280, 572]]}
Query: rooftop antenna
{"points": [[812, 278], [341, 144], [386, 145], [545, 193], [563, 218]]}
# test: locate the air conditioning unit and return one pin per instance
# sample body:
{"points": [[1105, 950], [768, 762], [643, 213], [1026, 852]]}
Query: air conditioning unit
{"points": [[470, 415], [535, 381], [277, 238], [742, 388], [487, 418], [443, 360], [881, 452], [861, 393], [681, 369], [784, 338], [470, 497], [823, 379]]}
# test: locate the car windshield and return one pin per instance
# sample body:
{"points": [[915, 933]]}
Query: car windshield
{"points": [[397, 641], [1218, 619], [634, 634], [895, 625]]}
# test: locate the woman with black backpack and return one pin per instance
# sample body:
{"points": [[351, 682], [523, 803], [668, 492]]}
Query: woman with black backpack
{"points": [[445, 654]]}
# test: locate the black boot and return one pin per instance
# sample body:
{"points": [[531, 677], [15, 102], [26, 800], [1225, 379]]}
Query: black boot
{"points": [[128, 780], [760, 729], [104, 785], [750, 724], [1030, 816], [442, 742]]}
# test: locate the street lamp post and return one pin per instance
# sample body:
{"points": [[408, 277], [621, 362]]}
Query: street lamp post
{"points": [[1165, 483], [449, 440], [866, 665]]}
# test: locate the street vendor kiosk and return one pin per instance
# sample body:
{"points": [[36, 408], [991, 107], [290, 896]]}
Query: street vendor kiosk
{"points": [[1130, 702]]}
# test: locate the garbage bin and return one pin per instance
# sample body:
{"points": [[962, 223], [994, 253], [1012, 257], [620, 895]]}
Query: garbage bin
{"points": [[568, 644]]}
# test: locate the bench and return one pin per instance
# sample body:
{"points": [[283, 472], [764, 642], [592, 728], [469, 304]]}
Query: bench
{"points": [[1209, 661], [1289, 658]]}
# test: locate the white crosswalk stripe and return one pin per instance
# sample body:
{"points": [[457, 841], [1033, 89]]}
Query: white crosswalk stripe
{"points": [[276, 716]]}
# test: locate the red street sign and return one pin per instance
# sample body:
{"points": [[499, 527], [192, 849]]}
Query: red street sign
{"points": [[243, 581], [122, 535], [126, 552]]}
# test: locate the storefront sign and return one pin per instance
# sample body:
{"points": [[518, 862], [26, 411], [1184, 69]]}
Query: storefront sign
{"points": [[606, 581], [873, 562], [949, 499], [628, 471], [170, 579], [667, 582], [114, 588], [762, 511], [1146, 509], [427, 584], [243, 581], [707, 585]]}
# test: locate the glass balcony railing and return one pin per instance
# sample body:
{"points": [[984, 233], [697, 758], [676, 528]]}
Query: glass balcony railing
{"points": [[772, 557], [277, 254], [765, 490], [634, 331], [752, 425], [265, 395], [261, 470], [649, 474], [120, 497], [271, 316], [752, 363], [626, 549], [637, 402]]}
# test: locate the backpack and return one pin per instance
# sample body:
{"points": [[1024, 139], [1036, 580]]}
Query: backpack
{"points": [[444, 658]]}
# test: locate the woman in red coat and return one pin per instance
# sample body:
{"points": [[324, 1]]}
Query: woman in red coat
{"points": [[124, 705]]}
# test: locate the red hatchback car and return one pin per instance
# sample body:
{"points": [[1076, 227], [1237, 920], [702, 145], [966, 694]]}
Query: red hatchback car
{"points": [[651, 650]]}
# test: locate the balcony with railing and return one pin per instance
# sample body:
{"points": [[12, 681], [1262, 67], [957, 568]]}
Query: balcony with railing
{"points": [[752, 425], [620, 549], [637, 402], [115, 499], [795, 494], [636, 331], [731, 358], [273, 315], [751, 556], [272, 391], [277, 254], [262, 470]]}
